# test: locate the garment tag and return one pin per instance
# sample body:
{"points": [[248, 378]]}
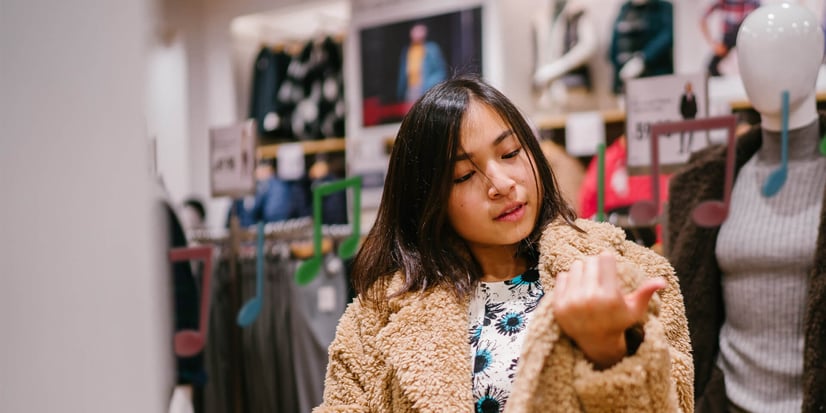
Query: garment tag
{"points": [[326, 299], [290, 161], [583, 132]]}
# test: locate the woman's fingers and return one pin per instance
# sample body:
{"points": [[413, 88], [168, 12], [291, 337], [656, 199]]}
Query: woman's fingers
{"points": [[637, 300], [590, 284], [589, 301], [608, 271]]}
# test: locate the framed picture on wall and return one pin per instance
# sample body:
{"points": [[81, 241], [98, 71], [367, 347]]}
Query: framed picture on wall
{"points": [[400, 60], [232, 159]]}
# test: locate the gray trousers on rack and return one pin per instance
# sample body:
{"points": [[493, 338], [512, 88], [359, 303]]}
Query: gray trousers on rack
{"points": [[315, 309], [283, 352]]}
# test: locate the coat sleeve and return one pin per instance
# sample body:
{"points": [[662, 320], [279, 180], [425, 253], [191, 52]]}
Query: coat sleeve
{"points": [[659, 376], [344, 388]]}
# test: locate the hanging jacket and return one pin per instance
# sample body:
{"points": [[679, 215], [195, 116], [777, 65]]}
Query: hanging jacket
{"points": [[646, 29], [271, 117], [314, 89]]}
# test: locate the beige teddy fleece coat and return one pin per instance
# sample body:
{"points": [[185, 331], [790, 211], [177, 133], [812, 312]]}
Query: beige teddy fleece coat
{"points": [[413, 355]]}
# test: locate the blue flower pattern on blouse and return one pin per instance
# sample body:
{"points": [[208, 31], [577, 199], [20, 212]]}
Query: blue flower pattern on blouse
{"points": [[499, 315]]}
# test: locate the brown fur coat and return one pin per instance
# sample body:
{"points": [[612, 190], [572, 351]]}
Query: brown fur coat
{"points": [[414, 354]]}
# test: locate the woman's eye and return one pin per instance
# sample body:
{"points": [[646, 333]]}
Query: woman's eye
{"points": [[511, 154], [463, 178]]}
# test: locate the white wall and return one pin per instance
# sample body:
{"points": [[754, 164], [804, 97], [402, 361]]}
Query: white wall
{"points": [[167, 106], [84, 307]]}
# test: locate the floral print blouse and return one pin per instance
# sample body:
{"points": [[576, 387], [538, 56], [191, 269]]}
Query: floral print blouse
{"points": [[499, 314]]}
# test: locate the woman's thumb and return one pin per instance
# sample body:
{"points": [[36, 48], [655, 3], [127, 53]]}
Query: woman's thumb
{"points": [[638, 299]]}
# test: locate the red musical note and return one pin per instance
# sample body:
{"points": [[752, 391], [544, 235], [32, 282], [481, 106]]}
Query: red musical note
{"points": [[708, 213], [189, 342]]}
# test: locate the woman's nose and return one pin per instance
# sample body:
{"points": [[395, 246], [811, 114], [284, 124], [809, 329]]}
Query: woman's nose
{"points": [[500, 182]]}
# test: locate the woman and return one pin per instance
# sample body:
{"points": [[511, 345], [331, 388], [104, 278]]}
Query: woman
{"points": [[477, 288]]}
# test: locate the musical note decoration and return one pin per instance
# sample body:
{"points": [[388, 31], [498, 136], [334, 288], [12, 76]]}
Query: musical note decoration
{"points": [[600, 182], [188, 343], [249, 312], [823, 145], [709, 213], [777, 178], [646, 211], [308, 270]]}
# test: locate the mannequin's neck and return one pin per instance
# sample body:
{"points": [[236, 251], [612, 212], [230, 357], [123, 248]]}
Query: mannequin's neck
{"points": [[799, 116], [804, 144]]}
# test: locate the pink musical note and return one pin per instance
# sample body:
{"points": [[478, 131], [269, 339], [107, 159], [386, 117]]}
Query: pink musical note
{"points": [[601, 182], [645, 212], [189, 342], [709, 213]]}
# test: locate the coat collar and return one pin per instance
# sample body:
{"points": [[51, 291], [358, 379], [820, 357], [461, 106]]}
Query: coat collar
{"points": [[425, 344]]}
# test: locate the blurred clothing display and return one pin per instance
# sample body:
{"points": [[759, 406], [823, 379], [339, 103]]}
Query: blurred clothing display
{"points": [[313, 91], [621, 190], [278, 200], [733, 13], [299, 96], [643, 29], [278, 363], [271, 115]]}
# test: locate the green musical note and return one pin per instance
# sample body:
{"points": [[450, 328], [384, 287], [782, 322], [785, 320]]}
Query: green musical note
{"points": [[308, 270]]}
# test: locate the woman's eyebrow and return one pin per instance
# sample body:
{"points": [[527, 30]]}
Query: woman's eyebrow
{"points": [[466, 155]]}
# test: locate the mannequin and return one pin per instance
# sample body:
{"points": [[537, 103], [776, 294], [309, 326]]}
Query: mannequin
{"points": [[755, 288], [571, 44], [642, 41], [764, 79]]}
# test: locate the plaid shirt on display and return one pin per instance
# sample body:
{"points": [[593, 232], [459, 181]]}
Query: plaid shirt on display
{"points": [[734, 11]]}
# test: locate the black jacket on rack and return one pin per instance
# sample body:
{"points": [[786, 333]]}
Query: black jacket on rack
{"points": [[271, 116], [315, 88]]}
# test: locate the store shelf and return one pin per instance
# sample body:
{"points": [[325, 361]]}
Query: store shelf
{"points": [[744, 104], [310, 147], [557, 121]]}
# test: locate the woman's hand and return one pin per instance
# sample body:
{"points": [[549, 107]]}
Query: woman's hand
{"points": [[592, 310]]}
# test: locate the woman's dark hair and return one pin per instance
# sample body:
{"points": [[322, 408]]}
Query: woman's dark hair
{"points": [[411, 233]]}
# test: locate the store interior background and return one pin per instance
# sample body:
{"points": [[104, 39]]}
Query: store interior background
{"points": [[203, 68], [84, 85]]}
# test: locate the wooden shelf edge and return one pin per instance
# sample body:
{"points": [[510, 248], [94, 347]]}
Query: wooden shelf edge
{"points": [[310, 147], [557, 121], [745, 104]]}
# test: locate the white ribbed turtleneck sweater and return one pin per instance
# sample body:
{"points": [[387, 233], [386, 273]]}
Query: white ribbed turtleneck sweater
{"points": [[766, 250]]}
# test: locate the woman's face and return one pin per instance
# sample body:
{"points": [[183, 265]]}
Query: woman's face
{"points": [[494, 199]]}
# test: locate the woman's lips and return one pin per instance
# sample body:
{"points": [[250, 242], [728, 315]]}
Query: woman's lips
{"points": [[512, 213]]}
